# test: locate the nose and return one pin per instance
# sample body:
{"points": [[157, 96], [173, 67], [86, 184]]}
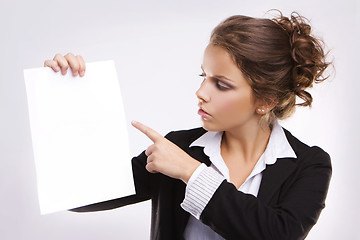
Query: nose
{"points": [[203, 92]]}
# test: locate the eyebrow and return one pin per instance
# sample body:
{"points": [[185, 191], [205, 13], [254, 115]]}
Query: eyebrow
{"points": [[219, 76]]}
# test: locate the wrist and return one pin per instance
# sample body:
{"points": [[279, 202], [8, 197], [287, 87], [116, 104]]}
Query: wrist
{"points": [[189, 169]]}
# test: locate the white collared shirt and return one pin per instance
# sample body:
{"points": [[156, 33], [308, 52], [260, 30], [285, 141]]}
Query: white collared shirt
{"points": [[205, 180]]}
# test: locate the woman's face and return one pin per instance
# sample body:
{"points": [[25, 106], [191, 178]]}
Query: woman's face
{"points": [[226, 100]]}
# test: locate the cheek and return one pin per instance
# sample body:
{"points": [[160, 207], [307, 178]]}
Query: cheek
{"points": [[236, 105]]}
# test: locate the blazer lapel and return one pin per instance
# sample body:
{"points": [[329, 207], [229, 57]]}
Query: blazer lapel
{"points": [[198, 153], [273, 177]]}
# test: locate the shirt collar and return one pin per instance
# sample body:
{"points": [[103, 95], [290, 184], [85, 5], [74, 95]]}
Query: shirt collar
{"points": [[211, 142], [278, 145]]}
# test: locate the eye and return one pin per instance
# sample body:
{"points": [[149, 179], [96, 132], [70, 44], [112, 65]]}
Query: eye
{"points": [[221, 85]]}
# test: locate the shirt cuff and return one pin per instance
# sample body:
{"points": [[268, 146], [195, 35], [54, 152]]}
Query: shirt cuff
{"points": [[195, 174], [201, 187]]}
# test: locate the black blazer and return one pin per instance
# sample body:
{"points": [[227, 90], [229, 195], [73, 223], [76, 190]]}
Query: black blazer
{"points": [[291, 196]]}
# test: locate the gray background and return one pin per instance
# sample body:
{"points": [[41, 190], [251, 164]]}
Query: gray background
{"points": [[157, 47]]}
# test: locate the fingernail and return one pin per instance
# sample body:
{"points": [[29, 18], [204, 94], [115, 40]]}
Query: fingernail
{"points": [[133, 122], [75, 74], [82, 73], [57, 68]]}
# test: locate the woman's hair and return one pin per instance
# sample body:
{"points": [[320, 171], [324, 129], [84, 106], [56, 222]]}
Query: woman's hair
{"points": [[279, 58]]}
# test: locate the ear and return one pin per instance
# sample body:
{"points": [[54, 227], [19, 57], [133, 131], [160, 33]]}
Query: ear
{"points": [[263, 107]]}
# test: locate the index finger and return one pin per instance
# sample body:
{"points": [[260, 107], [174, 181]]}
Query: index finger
{"points": [[149, 132]]}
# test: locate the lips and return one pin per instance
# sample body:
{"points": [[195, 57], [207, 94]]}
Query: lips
{"points": [[204, 115]]}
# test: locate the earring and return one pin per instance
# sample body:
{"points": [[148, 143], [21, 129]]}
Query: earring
{"points": [[260, 111]]}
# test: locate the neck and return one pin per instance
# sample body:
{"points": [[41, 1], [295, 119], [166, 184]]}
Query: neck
{"points": [[248, 141]]}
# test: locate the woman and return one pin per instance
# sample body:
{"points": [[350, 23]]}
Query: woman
{"points": [[240, 176]]}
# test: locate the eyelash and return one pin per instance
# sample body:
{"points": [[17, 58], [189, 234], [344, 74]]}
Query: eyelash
{"points": [[219, 84]]}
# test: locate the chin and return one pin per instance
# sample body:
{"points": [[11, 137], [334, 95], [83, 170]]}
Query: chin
{"points": [[210, 127]]}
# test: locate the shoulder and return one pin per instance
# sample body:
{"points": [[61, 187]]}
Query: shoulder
{"points": [[183, 138], [313, 154]]}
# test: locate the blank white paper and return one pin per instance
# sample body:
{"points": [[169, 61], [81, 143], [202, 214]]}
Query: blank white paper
{"points": [[79, 137]]}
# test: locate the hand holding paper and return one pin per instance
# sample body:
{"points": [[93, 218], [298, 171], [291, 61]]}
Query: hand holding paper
{"points": [[60, 62]]}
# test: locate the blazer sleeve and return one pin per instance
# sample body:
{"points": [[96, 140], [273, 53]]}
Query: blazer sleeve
{"points": [[298, 203]]}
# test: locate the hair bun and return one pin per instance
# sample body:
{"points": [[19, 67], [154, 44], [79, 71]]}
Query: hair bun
{"points": [[307, 54]]}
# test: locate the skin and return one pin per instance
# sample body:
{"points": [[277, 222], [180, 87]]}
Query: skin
{"points": [[59, 62], [226, 104]]}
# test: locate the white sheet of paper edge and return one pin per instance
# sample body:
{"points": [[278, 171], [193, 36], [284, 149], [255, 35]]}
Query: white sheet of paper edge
{"points": [[79, 137]]}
